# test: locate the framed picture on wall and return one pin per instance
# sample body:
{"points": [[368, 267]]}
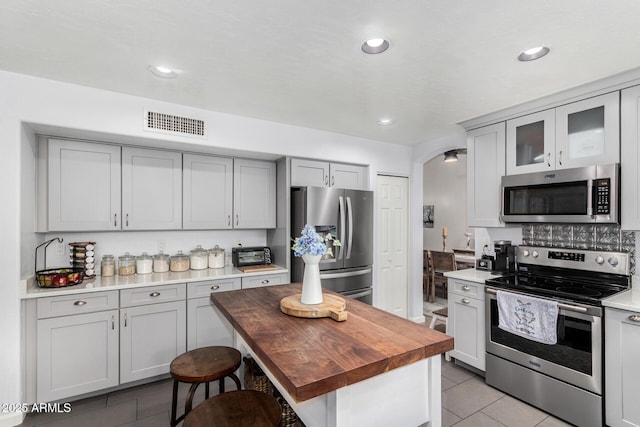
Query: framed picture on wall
{"points": [[427, 216]]}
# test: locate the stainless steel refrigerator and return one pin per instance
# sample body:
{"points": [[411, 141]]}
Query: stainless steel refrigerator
{"points": [[348, 215]]}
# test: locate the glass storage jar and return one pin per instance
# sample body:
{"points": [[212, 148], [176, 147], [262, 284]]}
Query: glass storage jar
{"points": [[199, 258], [216, 257], [126, 264], [144, 264], [108, 266], [179, 262], [161, 262]]}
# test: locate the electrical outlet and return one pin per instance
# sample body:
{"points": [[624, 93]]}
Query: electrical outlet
{"points": [[162, 245], [60, 248]]}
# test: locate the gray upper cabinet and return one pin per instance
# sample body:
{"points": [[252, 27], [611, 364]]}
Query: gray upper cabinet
{"points": [[151, 189], [83, 186], [630, 159], [254, 194], [581, 133], [207, 192], [315, 173]]}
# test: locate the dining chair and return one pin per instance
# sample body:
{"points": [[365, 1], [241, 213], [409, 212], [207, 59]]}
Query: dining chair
{"points": [[442, 262], [427, 276]]}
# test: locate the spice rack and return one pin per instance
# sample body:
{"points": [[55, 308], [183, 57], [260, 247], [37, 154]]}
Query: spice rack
{"points": [[83, 256]]}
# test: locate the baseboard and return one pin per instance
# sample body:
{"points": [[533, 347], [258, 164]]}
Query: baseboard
{"points": [[418, 319], [12, 420]]}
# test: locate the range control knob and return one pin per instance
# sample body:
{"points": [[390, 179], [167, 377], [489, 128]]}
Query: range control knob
{"points": [[599, 260], [535, 254], [613, 261], [525, 252]]}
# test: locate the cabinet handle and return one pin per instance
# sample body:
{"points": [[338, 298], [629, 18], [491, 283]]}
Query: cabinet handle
{"points": [[635, 317], [549, 159], [326, 180], [465, 288], [115, 219], [560, 157], [113, 323], [125, 320], [215, 287], [154, 294], [236, 219], [79, 303], [465, 300], [264, 282], [333, 180], [127, 220], [229, 220]]}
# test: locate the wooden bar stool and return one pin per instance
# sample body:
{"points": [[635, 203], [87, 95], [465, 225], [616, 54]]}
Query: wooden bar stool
{"points": [[202, 365], [243, 408]]}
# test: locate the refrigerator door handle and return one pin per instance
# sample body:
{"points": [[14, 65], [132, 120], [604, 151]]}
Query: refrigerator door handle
{"points": [[342, 225], [345, 274], [350, 225]]}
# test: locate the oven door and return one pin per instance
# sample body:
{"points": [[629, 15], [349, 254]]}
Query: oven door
{"points": [[577, 356]]}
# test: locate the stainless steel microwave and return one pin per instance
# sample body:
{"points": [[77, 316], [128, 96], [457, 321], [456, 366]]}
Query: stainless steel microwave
{"points": [[582, 195]]}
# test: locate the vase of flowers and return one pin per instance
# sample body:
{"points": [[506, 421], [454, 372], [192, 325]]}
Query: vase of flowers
{"points": [[311, 246]]}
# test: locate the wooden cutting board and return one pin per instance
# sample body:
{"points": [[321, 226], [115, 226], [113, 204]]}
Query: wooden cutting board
{"points": [[332, 306], [254, 268]]}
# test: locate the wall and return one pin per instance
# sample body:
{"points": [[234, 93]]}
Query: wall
{"points": [[444, 186], [30, 105]]}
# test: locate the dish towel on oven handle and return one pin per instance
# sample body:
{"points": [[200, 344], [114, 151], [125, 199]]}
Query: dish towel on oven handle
{"points": [[528, 317]]}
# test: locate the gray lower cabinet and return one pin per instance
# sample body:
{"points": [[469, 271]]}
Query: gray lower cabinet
{"points": [[264, 280], [152, 332], [77, 345], [622, 370], [465, 322], [206, 325]]}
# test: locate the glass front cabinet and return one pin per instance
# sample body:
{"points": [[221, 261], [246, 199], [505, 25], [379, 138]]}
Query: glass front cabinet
{"points": [[573, 135]]}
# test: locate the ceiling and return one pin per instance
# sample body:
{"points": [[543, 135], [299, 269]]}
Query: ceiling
{"points": [[299, 62]]}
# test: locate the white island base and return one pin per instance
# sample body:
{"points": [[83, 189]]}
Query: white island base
{"points": [[405, 396]]}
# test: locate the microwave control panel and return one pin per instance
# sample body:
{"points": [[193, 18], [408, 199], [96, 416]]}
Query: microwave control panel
{"points": [[602, 196]]}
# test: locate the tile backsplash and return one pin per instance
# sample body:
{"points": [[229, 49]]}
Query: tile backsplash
{"points": [[607, 237]]}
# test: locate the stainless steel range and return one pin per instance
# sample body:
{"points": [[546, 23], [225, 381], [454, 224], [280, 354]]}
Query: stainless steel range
{"points": [[564, 378]]}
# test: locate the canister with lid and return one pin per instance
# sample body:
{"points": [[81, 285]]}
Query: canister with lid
{"points": [[161, 262], [199, 258], [216, 257], [107, 266], [144, 264], [179, 262], [126, 264]]}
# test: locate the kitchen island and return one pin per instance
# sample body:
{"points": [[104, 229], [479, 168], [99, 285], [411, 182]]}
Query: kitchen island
{"points": [[375, 368]]}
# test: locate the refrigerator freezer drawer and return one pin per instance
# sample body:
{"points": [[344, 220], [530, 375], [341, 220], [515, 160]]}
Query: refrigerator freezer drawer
{"points": [[347, 279]]}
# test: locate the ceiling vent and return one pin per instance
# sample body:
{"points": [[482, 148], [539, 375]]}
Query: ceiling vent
{"points": [[173, 125]]}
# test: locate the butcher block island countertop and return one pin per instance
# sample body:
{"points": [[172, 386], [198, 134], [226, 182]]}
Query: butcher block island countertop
{"points": [[313, 357]]}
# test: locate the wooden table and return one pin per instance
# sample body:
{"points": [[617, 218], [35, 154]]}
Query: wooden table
{"points": [[373, 369]]}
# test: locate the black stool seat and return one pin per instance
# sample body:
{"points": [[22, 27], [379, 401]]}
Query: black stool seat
{"points": [[202, 365], [243, 408]]}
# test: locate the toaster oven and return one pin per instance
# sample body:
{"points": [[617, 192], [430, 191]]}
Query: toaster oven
{"points": [[257, 255]]}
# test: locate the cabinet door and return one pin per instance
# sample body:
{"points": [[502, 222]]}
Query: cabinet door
{"points": [[588, 132], [485, 168], [309, 173], [351, 177], [254, 194], [466, 324], [531, 143], [83, 186], [622, 370], [630, 159], [76, 354], [207, 192], [206, 325], [151, 189], [263, 280], [151, 336]]}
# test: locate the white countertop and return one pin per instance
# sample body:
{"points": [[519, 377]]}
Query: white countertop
{"points": [[472, 275], [627, 300], [29, 289]]}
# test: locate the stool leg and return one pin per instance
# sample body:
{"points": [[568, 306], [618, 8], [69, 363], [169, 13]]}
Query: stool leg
{"points": [[236, 380], [433, 321], [206, 390], [221, 385], [189, 403], [174, 403]]}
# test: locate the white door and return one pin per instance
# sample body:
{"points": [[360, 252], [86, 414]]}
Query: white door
{"points": [[391, 257]]}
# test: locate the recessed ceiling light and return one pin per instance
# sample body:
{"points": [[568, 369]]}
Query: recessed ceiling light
{"points": [[163, 72], [373, 46], [533, 53], [385, 121]]}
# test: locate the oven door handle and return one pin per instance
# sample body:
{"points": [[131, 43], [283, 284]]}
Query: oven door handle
{"points": [[560, 305]]}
